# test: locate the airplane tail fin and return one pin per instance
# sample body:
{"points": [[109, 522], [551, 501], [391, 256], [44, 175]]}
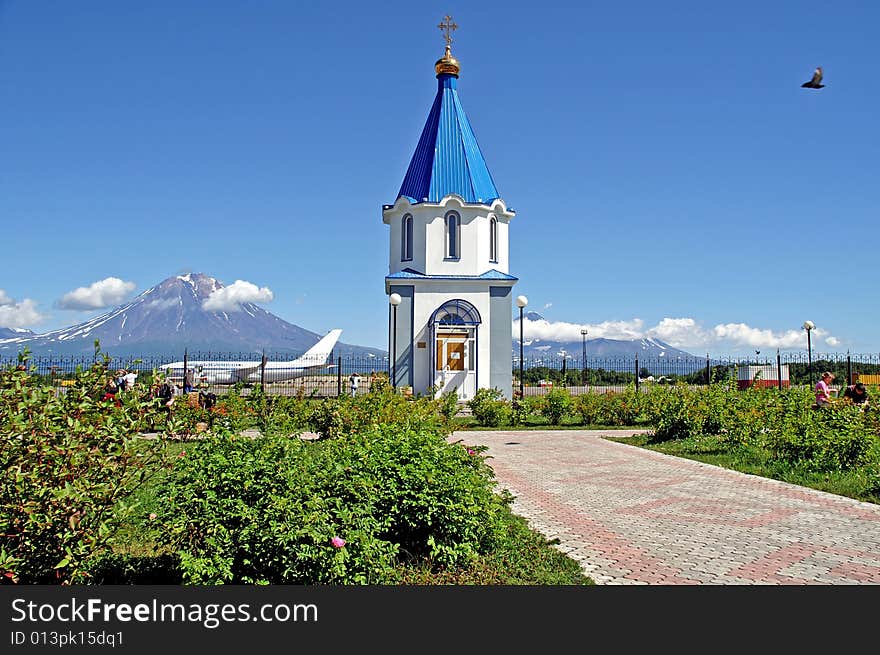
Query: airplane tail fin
{"points": [[318, 353]]}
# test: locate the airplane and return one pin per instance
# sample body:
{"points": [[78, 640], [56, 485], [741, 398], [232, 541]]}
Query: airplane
{"points": [[218, 372]]}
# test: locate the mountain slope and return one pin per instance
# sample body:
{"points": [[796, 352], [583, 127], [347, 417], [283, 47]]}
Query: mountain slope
{"points": [[169, 317], [599, 348]]}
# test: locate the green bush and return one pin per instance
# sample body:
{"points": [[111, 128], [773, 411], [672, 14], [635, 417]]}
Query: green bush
{"points": [[268, 510], [185, 419], [286, 415], [677, 413], [590, 408], [231, 412], [837, 438], [345, 415], [70, 466], [627, 407], [489, 408], [519, 411], [447, 406], [556, 405]]}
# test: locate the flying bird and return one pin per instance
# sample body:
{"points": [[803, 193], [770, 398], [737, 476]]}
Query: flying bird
{"points": [[816, 82]]}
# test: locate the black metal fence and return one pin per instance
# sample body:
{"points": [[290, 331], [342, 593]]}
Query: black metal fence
{"points": [[601, 374], [539, 374], [208, 373]]}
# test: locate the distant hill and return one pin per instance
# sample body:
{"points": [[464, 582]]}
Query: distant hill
{"points": [[169, 317], [600, 348], [624, 349], [14, 333]]}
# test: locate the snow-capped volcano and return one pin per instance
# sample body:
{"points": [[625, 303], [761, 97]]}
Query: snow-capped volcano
{"points": [[600, 348], [13, 333], [169, 317]]}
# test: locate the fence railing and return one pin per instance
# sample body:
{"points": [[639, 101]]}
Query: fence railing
{"points": [[539, 374], [600, 374], [218, 372]]}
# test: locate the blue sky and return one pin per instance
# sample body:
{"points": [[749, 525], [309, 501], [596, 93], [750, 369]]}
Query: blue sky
{"points": [[670, 176]]}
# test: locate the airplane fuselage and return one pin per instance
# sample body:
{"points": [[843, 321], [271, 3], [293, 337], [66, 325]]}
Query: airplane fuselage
{"points": [[218, 372], [230, 372]]}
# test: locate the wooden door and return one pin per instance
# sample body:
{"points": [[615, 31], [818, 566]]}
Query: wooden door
{"points": [[450, 355]]}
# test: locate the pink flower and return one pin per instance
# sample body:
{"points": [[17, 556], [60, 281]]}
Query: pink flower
{"points": [[337, 542], [153, 516], [182, 453], [471, 451]]}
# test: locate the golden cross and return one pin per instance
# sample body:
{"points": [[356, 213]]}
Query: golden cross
{"points": [[448, 26]]}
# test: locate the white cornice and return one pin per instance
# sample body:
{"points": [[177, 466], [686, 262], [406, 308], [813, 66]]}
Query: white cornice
{"points": [[452, 201]]}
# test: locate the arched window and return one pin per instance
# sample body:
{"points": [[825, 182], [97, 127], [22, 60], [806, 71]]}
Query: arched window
{"points": [[453, 236], [406, 238], [493, 239]]}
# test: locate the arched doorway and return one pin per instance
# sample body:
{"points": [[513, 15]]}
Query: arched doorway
{"points": [[454, 333]]}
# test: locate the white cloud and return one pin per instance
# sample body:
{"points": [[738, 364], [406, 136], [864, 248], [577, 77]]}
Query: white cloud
{"points": [[682, 332], [18, 314], [98, 295], [561, 331], [745, 335], [548, 305], [229, 299]]}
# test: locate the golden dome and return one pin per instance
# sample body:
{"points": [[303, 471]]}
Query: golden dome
{"points": [[447, 64]]}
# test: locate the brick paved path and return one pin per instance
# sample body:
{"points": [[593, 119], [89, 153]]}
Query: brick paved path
{"points": [[633, 516]]}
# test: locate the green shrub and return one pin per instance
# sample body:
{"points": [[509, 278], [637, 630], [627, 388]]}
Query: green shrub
{"points": [[837, 438], [589, 407], [627, 407], [678, 414], [556, 405], [185, 419], [489, 408], [519, 411], [336, 417], [447, 406], [438, 496], [267, 510], [286, 415], [70, 466], [231, 412], [327, 417]]}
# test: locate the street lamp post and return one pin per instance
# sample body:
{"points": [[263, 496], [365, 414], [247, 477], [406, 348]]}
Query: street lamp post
{"points": [[394, 299], [809, 326], [584, 355], [521, 302]]}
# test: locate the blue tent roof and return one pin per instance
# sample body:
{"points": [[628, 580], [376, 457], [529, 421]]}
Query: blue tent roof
{"points": [[448, 158]]}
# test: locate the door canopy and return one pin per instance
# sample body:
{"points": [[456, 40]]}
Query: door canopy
{"points": [[454, 313]]}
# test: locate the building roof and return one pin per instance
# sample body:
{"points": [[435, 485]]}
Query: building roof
{"points": [[410, 274], [448, 159]]}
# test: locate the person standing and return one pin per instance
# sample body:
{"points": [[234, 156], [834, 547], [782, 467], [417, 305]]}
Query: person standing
{"points": [[189, 380], [354, 380], [823, 390]]}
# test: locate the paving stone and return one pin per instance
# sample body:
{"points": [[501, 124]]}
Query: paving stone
{"points": [[633, 516]]}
